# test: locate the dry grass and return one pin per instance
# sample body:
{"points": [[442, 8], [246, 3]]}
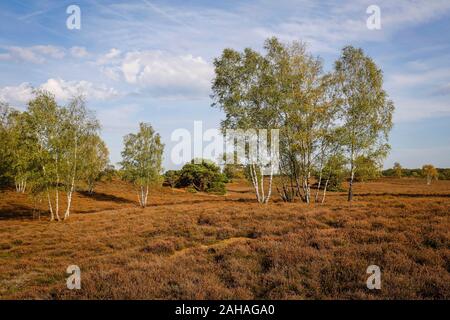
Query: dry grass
{"points": [[197, 246]]}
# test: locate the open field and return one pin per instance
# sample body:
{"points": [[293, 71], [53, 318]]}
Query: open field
{"points": [[199, 246]]}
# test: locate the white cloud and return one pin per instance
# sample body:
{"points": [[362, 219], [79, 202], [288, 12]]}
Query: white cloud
{"points": [[33, 54], [63, 90], [113, 56], [50, 51], [17, 95], [164, 74], [79, 52], [327, 27]]}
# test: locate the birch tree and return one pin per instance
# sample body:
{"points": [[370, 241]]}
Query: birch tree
{"points": [[397, 170], [43, 125], [142, 160], [243, 88], [430, 172], [366, 110], [78, 125], [95, 160]]}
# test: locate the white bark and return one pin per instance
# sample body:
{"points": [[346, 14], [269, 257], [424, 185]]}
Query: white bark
{"points": [[52, 216], [318, 186], [72, 185], [270, 183], [263, 195], [254, 177], [146, 196], [325, 190]]}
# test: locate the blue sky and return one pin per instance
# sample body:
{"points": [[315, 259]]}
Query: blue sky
{"points": [[151, 61]]}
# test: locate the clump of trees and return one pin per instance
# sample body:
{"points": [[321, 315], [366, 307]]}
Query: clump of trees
{"points": [[203, 176], [48, 146], [344, 114], [142, 160]]}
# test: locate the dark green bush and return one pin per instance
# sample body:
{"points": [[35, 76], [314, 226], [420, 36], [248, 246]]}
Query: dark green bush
{"points": [[171, 178], [204, 176]]}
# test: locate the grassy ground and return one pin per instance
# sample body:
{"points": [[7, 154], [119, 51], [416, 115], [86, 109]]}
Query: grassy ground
{"points": [[198, 246]]}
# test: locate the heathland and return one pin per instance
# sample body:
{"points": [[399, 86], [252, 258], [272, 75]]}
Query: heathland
{"points": [[188, 245]]}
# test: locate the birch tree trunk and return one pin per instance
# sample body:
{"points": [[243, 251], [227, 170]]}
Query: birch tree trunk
{"points": [[325, 190], [318, 186], [270, 183], [72, 184], [350, 189], [254, 178], [52, 216], [146, 196], [263, 195]]}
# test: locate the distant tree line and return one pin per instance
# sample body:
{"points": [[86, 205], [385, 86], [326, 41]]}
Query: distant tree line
{"points": [[428, 171]]}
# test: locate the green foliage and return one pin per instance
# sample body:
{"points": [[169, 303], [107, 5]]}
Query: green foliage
{"points": [[171, 178], [443, 173], [46, 145], [429, 172], [109, 173], [397, 170], [284, 88], [203, 176], [6, 145], [95, 161], [366, 169], [335, 171], [142, 160], [366, 110], [142, 156], [233, 171]]}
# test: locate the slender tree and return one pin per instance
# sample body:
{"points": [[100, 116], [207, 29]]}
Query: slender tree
{"points": [[397, 170], [142, 159], [95, 160], [78, 125], [366, 109], [430, 172], [44, 126]]}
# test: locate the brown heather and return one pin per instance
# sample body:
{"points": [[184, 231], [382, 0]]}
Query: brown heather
{"points": [[198, 246]]}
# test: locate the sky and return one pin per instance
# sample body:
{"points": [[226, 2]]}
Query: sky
{"points": [[151, 61]]}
